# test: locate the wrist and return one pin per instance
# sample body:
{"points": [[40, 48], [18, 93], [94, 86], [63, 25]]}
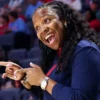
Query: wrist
{"points": [[44, 83], [42, 77]]}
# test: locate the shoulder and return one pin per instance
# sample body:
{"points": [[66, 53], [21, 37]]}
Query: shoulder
{"points": [[86, 52], [86, 56], [86, 46], [86, 59], [89, 53]]}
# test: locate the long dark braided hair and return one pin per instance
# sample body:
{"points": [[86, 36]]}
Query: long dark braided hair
{"points": [[75, 30]]}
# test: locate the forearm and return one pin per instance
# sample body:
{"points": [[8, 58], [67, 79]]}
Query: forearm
{"points": [[50, 85], [61, 92]]}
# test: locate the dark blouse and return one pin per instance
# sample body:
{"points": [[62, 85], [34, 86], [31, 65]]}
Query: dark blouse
{"points": [[81, 80]]}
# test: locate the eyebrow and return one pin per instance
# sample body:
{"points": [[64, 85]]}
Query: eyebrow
{"points": [[43, 16]]}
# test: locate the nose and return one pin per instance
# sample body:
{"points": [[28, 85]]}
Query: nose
{"points": [[45, 30]]}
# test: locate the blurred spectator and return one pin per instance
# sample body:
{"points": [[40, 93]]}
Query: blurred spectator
{"points": [[94, 5], [16, 24], [76, 4], [4, 21], [95, 24], [33, 5], [31, 8], [85, 5], [3, 11], [14, 3], [90, 15], [45, 1], [18, 9], [7, 83]]}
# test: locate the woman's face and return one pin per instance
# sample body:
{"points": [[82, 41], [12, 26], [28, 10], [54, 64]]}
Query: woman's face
{"points": [[48, 27]]}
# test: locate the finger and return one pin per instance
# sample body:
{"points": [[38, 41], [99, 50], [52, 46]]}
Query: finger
{"points": [[8, 64], [22, 82], [3, 63], [12, 77], [7, 75], [4, 75], [26, 84], [9, 70], [21, 71], [32, 65]]}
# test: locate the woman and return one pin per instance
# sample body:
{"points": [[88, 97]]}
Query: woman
{"points": [[74, 73]]}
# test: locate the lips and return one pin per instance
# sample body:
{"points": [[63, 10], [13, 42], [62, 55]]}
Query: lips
{"points": [[50, 38]]}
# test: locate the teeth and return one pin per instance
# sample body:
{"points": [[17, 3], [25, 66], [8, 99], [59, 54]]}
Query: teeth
{"points": [[48, 36]]}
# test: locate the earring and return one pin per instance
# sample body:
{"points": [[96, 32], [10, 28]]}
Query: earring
{"points": [[65, 24]]}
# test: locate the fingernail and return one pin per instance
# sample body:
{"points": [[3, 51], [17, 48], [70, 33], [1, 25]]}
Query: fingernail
{"points": [[22, 82], [31, 63], [3, 76], [15, 76], [15, 72], [11, 69], [8, 65]]}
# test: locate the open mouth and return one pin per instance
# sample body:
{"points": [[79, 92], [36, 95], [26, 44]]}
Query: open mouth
{"points": [[50, 38]]}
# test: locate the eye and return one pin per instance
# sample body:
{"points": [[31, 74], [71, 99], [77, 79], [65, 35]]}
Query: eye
{"points": [[47, 20]]}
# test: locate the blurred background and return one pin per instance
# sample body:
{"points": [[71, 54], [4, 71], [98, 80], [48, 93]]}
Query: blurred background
{"points": [[18, 40]]}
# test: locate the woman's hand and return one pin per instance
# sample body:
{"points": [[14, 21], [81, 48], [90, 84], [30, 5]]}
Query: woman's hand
{"points": [[34, 75], [11, 68]]}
